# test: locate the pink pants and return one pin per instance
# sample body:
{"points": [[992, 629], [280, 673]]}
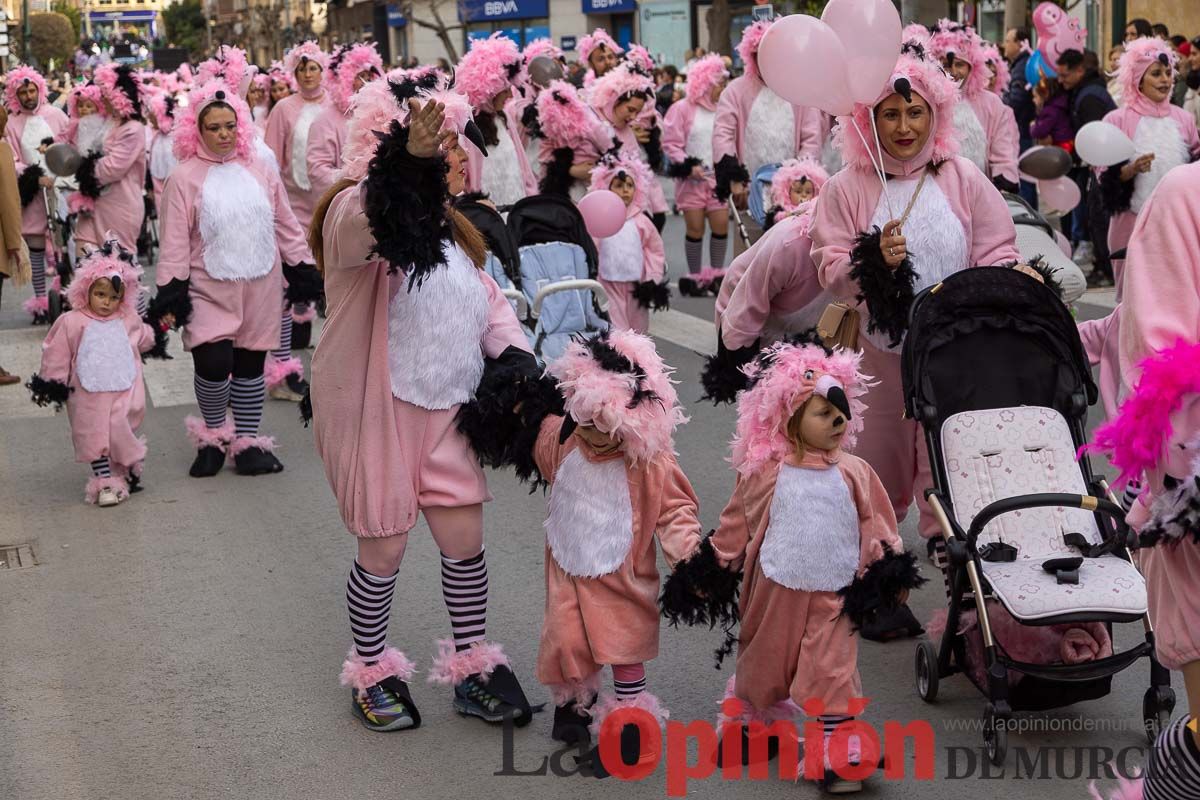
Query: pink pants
{"points": [[691, 195], [623, 310], [894, 446]]}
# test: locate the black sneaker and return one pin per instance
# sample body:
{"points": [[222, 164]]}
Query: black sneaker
{"points": [[256, 461], [1098, 280], [888, 624], [492, 700], [631, 751], [41, 318], [570, 724], [301, 335], [386, 706], [297, 384], [209, 461], [135, 483], [772, 748]]}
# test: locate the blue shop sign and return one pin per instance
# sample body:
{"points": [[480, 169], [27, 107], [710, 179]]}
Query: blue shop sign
{"points": [[488, 10], [122, 16], [395, 16], [567, 43], [609, 6]]}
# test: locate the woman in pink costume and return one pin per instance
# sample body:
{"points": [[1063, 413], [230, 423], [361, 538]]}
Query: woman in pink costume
{"points": [[945, 207], [350, 69], [282, 85], [1164, 137], [112, 179], [230, 66], [812, 529], [259, 100], [573, 137], [412, 317], [91, 362], [225, 224], [633, 262], [488, 74], [687, 143], [621, 98], [987, 129], [160, 113]]}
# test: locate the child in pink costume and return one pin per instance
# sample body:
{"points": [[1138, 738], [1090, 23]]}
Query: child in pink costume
{"points": [[687, 144], [633, 261], [412, 316], [812, 529], [621, 98], [1164, 137], [91, 361], [573, 137]]}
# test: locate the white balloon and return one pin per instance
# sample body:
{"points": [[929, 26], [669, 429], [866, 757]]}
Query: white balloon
{"points": [[1103, 144]]}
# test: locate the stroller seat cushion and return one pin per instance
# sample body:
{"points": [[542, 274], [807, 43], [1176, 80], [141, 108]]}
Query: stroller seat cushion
{"points": [[1107, 585]]}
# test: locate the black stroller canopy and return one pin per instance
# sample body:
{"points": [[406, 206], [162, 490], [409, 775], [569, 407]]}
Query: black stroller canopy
{"points": [[495, 232], [550, 218], [993, 337]]}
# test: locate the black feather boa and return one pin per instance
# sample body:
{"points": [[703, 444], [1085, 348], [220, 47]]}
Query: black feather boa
{"points": [[27, 184], [772, 216], [159, 350], [306, 408], [1115, 194], [653, 148], [173, 298], [304, 283], [405, 203], [722, 376], [879, 587], [85, 176], [47, 393], [683, 169], [1049, 276], [651, 295], [1174, 516], [532, 122], [699, 591], [556, 178], [728, 171], [888, 293]]}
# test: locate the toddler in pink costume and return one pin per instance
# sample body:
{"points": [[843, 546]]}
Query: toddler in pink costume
{"points": [[813, 531], [633, 262], [91, 361]]}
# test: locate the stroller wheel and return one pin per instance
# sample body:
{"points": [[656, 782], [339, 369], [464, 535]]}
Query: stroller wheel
{"points": [[1157, 705], [927, 671], [995, 736]]}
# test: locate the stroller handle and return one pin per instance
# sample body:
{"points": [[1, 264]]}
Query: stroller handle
{"points": [[1043, 500], [570, 285], [522, 305]]}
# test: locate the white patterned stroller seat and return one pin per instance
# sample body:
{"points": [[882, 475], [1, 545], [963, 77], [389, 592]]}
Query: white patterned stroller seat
{"points": [[1008, 452]]}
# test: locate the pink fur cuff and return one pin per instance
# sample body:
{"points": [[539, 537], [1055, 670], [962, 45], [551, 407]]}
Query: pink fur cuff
{"points": [[276, 370], [360, 675], [609, 703], [243, 443], [451, 668], [95, 485], [200, 435], [581, 692]]}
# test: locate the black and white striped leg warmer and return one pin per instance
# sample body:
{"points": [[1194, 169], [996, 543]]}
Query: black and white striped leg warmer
{"points": [[629, 689], [37, 260], [942, 561], [247, 395], [369, 600], [213, 399], [693, 249], [1133, 490], [285, 335], [1173, 764], [465, 592], [143, 301], [716, 250], [101, 468]]}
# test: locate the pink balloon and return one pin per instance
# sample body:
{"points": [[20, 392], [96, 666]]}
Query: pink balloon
{"points": [[803, 61], [1060, 194], [870, 33], [603, 213]]}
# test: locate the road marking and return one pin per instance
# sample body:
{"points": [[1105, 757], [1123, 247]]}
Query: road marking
{"points": [[170, 383], [695, 334]]}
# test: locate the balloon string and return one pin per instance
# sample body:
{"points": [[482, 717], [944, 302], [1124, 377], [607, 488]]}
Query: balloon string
{"points": [[882, 172], [878, 167]]}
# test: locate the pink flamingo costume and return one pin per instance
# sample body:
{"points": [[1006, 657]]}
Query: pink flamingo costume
{"points": [[615, 87], [328, 134], [289, 132]]}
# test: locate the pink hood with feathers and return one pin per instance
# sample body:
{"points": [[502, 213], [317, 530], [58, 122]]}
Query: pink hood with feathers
{"points": [[16, 78], [105, 262], [105, 77], [186, 138], [488, 68], [609, 168], [702, 76], [961, 40], [158, 105], [564, 117], [542, 47], [748, 47], [359, 58], [230, 65], [793, 170], [305, 51], [616, 84], [589, 42], [1138, 57], [89, 90]]}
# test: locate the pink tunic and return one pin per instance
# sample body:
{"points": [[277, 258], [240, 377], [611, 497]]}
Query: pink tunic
{"points": [[242, 308], [623, 309], [611, 618], [325, 141], [1003, 139], [289, 135], [33, 216], [477, 165], [103, 423], [690, 193], [121, 170], [731, 132], [794, 644], [375, 465]]}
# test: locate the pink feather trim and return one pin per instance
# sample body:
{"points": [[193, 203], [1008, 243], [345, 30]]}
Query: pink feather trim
{"points": [[308, 314], [640, 58], [607, 169], [105, 77], [616, 84], [1127, 789], [483, 72], [451, 668], [157, 106], [542, 47], [747, 48], [583, 692], [276, 370], [89, 91], [998, 64], [79, 203], [599, 37], [785, 709], [964, 42], [91, 492], [702, 76], [17, 76], [243, 443], [200, 435], [229, 65], [186, 139], [565, 119], [96, 266], [709, 274], [1139, 55], [359, 58], [608, 703], [791, 171], [36, 305], [361, 676]]}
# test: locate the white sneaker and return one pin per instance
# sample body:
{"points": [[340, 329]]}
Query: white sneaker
{"points": [[1084, 254], [107, 497]]}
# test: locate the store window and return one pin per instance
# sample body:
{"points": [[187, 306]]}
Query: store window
{"points": [[521, 31]]}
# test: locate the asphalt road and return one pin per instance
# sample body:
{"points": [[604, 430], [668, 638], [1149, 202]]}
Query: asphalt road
{"points": [[187, 643]]}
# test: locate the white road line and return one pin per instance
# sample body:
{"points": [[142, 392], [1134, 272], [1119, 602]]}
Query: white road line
{"points": [[169, 383], [695, 334]]}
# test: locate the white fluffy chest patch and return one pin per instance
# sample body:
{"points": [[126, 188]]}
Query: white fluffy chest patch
{"points": [[299, 155], [590, 524], [265, 154], [770, 134], [502, 177], [812, 540], [36, 131], [105, 359], [699, 141], [91, 132], [434, 332], [1161, 136], [972, 139], [162, 158], [237, 224], [621, 254]]}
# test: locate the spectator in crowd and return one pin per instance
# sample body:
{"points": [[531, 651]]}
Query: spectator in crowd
{"points": [[1114, 85], [1137, 28], [1180, 45], [1161, 31], [1018, 97], [1088, 100], [1052, 126], [1191, 101], [576, 72], [664, 92]]}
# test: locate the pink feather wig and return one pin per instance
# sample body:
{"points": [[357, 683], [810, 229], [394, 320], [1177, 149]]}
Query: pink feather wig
{"points": [[347, 65], [639, 57], [488, 68], [789, 172], [230, 66], [930, 81], [375, 106], [609, 168], [186, 139], [782, 379], [278, 73], [747, 48], [542, 47], [702, 76], [305, 51], [590, 41], [1137, 439], [915, 32], [108, 261], [617, 382], [162, 108], [565, 119], [998, 64], [17, 77], [961, 40], [616, 86], [1139, 55], [115, 84], [89, 91]]}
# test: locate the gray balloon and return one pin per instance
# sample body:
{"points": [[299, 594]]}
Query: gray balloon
{"points": [[63, 159], [1047, 163], [544, 69]]}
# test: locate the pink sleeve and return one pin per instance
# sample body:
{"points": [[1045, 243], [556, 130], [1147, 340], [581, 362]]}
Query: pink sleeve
{"points": [[503, 329], [323, 157], [141, 335], [833, 231], [654, 256], [120, 157], [733, 531], [276, 136], [725, 125], [993, 235], [289, 236], [876, 519], [547, 451], [175, 232], [810, 134], [675, 133], [347, 238], [56, 351], [1092, 333], [1003, 144], [750, 303], [678, 523]]}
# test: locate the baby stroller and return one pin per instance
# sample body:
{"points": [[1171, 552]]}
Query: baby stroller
{"points": [[558, 265], [1036, 237], [503, 261], [1033, 537], [759, 201]]}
